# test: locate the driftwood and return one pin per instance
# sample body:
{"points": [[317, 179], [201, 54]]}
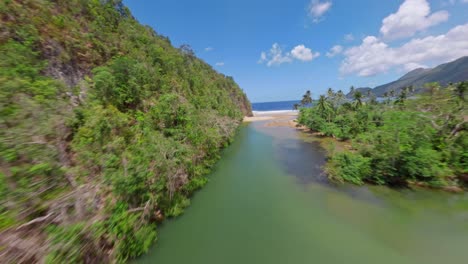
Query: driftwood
{"points": [[139, 208], [34, 221]]}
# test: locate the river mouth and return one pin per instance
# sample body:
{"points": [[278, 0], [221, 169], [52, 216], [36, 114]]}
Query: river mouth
{"points": [[268, 201]]}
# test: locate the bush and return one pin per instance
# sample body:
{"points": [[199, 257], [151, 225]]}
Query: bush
{"points": [[351, 167]]}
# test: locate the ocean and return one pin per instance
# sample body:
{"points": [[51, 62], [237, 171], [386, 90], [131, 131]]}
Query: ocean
{"points": [[274, 106]]}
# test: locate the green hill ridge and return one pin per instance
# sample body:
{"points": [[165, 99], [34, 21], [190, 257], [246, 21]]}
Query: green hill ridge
{"points": [[444, 74], [105, 130]]}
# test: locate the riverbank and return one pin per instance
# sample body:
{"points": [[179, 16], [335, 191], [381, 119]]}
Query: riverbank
{"points": [[269, 201]]}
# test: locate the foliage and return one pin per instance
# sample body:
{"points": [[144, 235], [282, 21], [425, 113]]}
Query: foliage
{"points": [[103, 121], [350, 167], [132, 238], [422, 139]]}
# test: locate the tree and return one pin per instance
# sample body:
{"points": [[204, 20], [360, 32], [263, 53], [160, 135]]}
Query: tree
{"points": [[461, 89], [330, 93], [422, 140], [357, 97], [402, 97], [339, 97], [323, 106], [432, 87], [306, 98], [187, 50]]}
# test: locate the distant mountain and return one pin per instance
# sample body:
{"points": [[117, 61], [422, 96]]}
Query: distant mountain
{"points": [[455, 71], [363, 90]]}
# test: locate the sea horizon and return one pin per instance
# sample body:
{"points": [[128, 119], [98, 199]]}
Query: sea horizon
{"points": [[274, 106]]}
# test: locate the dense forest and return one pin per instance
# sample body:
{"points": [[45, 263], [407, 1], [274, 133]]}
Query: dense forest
{"points": [[404, 139], [105, 130]]}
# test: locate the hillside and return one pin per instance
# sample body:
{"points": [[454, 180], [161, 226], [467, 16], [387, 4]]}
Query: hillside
{"points": [[452, 72], [362, 90], [105, 130]]}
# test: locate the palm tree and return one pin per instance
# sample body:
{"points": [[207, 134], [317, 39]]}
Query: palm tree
{"points": [[306, 98], [323, 106], [330, 93], [296, 106], [340, 97], [331, 97], [357, 96]]}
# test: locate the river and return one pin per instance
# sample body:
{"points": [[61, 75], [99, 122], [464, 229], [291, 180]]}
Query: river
{"points": [[268, 202]]}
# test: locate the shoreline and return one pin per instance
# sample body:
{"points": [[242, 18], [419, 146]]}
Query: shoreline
{"points": [[271, 115], [287, 118]]}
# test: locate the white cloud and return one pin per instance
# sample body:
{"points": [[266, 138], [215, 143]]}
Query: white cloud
{"points": [[374, 56], [263, 57], [208, 49], [302, 53], [317, 9], [219, 64], [335, 50], [276, 56], [349, 37], [412, 66], [412, 16]]}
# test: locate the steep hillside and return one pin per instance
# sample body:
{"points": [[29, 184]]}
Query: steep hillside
{"points": [[105, 130], [452, 72]]}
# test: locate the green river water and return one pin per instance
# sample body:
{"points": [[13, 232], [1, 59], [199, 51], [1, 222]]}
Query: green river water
{"points": [[268, 202]]}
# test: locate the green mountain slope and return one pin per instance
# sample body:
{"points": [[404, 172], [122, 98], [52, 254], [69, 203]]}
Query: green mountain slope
{"points": [[452, 72], [363, 90], [105, 130]]}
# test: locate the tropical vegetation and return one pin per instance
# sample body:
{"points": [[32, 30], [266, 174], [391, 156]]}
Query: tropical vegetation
{"points": [[403, 139], [105, 130]]}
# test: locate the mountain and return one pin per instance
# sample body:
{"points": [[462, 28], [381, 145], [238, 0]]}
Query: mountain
{"points": [[444, 74], [105, 130], [363, 90]]}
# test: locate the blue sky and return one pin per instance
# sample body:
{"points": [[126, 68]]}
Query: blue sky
{"points": [[375, 41]]}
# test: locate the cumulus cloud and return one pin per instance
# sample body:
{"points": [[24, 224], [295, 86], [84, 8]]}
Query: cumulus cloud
{"points": [[219, 64], [412, 16], [374, 56], [276, 55], [317, 9], [302, 53], [208, 49], [335, 50]]}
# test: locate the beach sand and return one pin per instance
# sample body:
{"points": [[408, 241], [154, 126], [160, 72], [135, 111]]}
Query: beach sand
{"points": [[275, 118]]}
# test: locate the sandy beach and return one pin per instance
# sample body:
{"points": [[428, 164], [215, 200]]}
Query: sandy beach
{"points": [[275, 118]]}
